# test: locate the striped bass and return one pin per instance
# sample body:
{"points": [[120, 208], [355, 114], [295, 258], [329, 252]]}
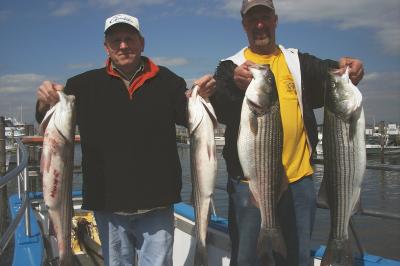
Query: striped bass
{"points": [[56, 167], [203, 162], [344, 163], [260, 144]]}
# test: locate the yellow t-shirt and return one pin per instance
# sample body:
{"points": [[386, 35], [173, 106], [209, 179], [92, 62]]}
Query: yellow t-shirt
{"points": [[296, 153]]}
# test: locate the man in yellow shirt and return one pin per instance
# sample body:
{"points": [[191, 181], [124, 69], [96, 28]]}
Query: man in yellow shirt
{"points": [[301, 80]]}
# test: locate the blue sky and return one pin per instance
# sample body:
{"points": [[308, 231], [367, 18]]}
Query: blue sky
{"points": [[55, 40]]}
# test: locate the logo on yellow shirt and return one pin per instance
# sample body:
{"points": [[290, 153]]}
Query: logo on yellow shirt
{"points": [[289, 84]]}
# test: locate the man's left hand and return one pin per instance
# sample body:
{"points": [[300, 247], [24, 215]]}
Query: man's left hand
{"points": [[206, 86], [356, 69]]}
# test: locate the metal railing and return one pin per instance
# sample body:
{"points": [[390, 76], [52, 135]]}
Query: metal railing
{"points": [[383, 167], [18, 172]]}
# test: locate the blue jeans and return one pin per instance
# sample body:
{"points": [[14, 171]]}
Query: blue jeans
{"points": [[305, 206], [149, 236], [244, 224], [296, 213]]}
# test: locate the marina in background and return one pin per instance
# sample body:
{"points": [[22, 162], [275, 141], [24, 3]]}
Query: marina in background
{"points": [[382, 139]]}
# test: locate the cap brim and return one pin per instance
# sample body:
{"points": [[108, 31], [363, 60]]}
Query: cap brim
{"points": [[111, 27]]}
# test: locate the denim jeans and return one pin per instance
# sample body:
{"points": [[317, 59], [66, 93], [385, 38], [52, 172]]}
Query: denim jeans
{"points": [[244, 224], [296, 212], [149, 236], [304, 198]]}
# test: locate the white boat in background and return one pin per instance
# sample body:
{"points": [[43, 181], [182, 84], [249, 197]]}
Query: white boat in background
{"points": [[319, 150], [219, 141], [13, 129], [372, 146]]}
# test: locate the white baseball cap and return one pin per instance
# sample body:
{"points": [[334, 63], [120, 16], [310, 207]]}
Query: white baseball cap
{"points": [[122, 18]]}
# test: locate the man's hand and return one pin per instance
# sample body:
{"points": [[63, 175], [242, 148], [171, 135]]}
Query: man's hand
{"points": [[242, 75], [356, 69], [206, 86], [47, 95]]}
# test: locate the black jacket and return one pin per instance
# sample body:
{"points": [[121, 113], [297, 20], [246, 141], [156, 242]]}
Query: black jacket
{"points": [[227, 101], [129, 153]]}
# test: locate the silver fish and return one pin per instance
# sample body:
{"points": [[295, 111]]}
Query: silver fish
{"points": [[203, 162], [260, 144], [344, 163], [56, 166]]}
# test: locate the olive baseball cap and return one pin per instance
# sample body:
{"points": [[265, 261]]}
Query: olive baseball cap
{"points": [[247, 4]]}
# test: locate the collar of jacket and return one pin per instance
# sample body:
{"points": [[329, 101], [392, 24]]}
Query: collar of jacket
{"points": [[150, 70]]}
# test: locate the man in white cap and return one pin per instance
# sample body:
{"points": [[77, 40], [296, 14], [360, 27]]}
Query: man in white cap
{"points": [[301, 80], [126, 114]]}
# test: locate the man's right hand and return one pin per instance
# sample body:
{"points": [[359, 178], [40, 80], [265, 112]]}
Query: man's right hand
{"points": [[242, 75], [47, 95]]}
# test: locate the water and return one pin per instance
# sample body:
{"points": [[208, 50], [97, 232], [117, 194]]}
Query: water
{"points": [[380, 191]]}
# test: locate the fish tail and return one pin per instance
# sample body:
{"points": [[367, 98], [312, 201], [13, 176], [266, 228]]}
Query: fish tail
{"points": [[200, 257], [338, 252], [271, 239]]}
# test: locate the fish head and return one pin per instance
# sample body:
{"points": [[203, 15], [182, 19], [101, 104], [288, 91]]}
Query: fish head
{"points": [[342, 97], [65, 114], [261, 93]]}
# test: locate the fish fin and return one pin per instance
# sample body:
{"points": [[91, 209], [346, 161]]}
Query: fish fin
{"points": [[323, 194], [284, 185], [62, 116], [253, 195], [357, 205], [210, 110], [46, 120], [337, 252], [271, 239], [253, 123], [353, 124], [195, 111], [45, 161]]}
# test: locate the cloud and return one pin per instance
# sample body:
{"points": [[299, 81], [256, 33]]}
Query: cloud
{"points": [[381, 92], [15, 83], [18, 95], [383, 17], [125, 4], [170, 61], [71, 8], [80, 66], [66, 9]]}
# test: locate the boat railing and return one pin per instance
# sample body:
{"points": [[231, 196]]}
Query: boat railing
{"points": [[20, 171]]}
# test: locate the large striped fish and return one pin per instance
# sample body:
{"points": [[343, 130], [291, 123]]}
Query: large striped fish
{"points": [[344, 163], [56, 166], [260, 144], [203, 162]]}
